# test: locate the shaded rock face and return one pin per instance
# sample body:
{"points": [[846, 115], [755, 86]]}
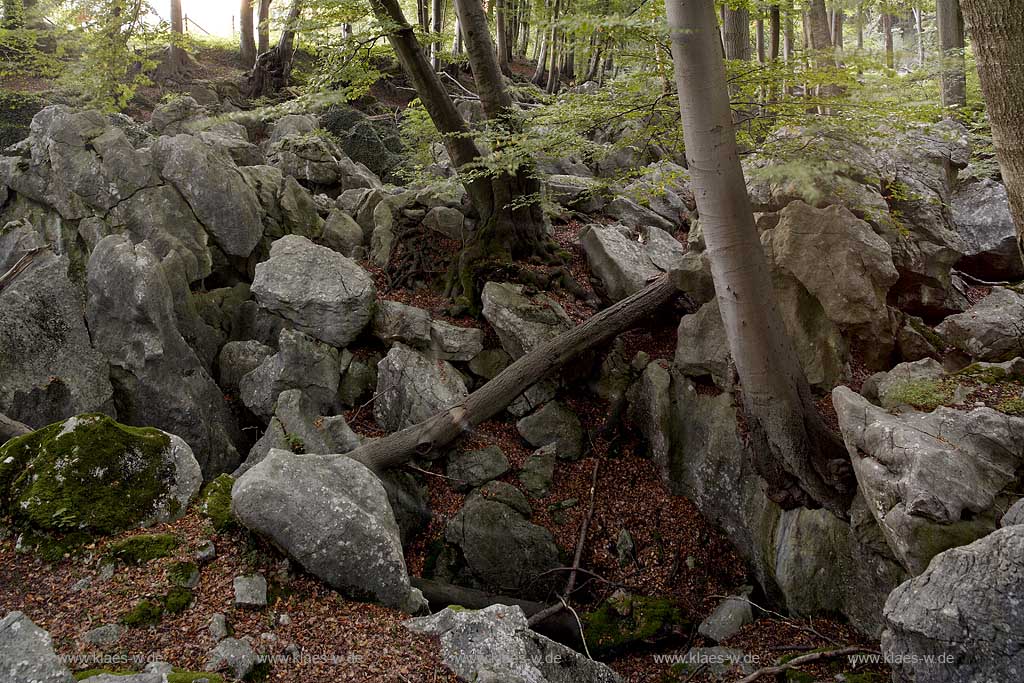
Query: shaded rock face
{"points": [[318, 290], [809, 561], [26, 653], [522, 323], [991, 330], [502, 549], [554, 425], [301, 362], [981, 213], [214, 189], [158, 379], [411, 388], [496, 644], [48, 368], [625, 262], [332, 516], [965, 613], [905, 463], [89, 473]]}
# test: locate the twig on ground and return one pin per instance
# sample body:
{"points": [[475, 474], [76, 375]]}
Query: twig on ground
{"points": [[801, 660]]}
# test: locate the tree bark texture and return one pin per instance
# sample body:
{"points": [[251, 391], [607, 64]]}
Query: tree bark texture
{"points": [[953, 76]]}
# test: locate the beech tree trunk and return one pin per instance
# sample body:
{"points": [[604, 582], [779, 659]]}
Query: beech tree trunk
{"points": [[802, 462], [953, 75], [997, 30], [441, 429], [273, 68], [501, 33], [737, 34], [248, 40], [436, 26], [263, 27], [919, 19], [774, 31], [818, 28], [759, 39], [788, 40], [890, 57], [177, 25], [540, 75]]}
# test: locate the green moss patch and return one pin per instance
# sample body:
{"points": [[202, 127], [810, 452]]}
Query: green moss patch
{"points": [[177, 600], [182, 573], [631, 621], [144, 613], [215, 502], [88, 474], [924, 394], [143, 548], [16, 112]]}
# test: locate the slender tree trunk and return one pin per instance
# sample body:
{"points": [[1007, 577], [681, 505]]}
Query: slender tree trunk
{"points": [[436, 26], [421, 15], [554, 70], [737, 34], [552, 73], [540, 76], [820, 36], [890, 56], [501, 32], [263, 27], [789, 40], [759, 39], [774, 31], [457, 46], [953, 76], [248, 40], [838, 24], [860, 25], [177, 26], [273, 68], [524, 30], [997, 30], [802, 462]]}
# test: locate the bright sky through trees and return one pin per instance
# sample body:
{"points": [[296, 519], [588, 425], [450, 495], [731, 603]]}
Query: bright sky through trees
{"points": [[215, 16]]}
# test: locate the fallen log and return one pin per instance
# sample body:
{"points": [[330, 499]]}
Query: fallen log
{"points": [[561, 627], [494, 396]]}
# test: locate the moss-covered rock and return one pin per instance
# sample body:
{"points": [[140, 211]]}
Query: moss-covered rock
{"points": [[16, 112], [143, 548], [144, 613], [215, 502], [923, 394], [184, 574], [90, 475], [177, 600], [628, 621]]}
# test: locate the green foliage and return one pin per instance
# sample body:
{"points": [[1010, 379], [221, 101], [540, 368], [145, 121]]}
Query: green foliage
{"points": [[215, 502], [143, 548], [181, 573], [177, 600], [1012, 406], [629, 622], [16, 112]]}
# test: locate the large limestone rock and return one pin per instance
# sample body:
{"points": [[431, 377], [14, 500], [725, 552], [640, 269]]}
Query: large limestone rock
{"points": [[300, 363], [331, 515], [26, 653], [981, 213], [626, 262], [318, 290], [905, 464], [502, 549], [522, 323], [412, 387], [991, 329], [320, 162], [962, 618], [48, 367], [841, 262], [89, 473], [215, 190], [158, 379], [496, 644]]}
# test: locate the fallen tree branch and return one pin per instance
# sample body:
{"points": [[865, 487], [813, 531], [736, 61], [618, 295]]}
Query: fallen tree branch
{"points": [[441, 429], [23, 263], [803, 659]]}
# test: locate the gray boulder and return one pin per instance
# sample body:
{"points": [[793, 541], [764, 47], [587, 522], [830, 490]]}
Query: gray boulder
{"points": [[331, 515], [318, 290], [452, 342], [48, 367], [475, 468], [234, 655], [905, 463], [633, 214], [1013, 516], [26, 653], [962, 618], [554, 424], [522, 323], [991, 330], [702, 349], [411, 388], [496, 644], [300, 363], [624, 261], [981, 213], [239, 358], [446, 221], [158, 379], [250, 591], [342, 234], [501, 548], [394, 321], [731, 615], [538, 471], [212, 185]]}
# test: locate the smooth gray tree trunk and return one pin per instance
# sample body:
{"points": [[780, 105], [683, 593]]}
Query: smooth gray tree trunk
{"points": [[953, 74]]}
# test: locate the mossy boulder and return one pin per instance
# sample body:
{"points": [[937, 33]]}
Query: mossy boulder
{"points": [[143, 548], [144, 613], [16, 112], [626, 621], [215, 503], [90, 475]]}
